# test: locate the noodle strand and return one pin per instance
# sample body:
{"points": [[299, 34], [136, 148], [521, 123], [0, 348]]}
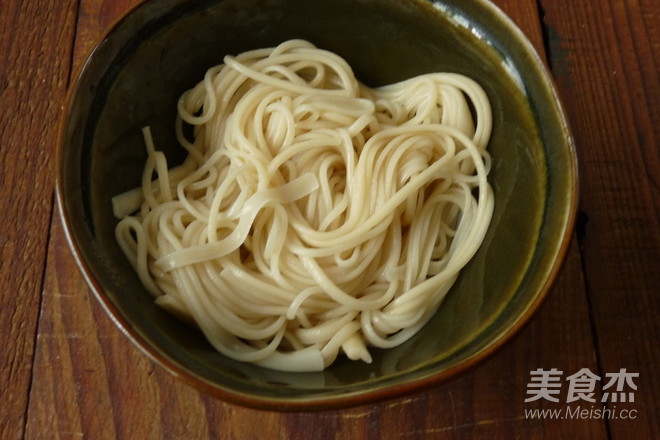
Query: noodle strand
{"points": [[314, 216]]}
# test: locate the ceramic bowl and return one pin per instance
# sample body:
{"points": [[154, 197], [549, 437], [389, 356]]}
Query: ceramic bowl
{"points": [[163, 47]]}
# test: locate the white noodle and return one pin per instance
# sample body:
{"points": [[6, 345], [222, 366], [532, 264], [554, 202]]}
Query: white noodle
{"points": [[314, 215]]}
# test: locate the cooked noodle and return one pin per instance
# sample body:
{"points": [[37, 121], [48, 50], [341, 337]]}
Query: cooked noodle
{"points": [[313, 215]]}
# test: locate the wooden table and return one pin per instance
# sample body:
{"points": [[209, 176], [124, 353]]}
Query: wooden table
{"points": [[66, 372]]}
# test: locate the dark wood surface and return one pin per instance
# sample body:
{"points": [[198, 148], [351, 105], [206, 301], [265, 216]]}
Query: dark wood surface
{"points": [[66, 372]]}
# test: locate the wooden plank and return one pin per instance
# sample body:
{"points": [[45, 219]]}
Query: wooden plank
{"points": [[113, 391], [71, 377], [35, 45], [90, 382], [95, 19], [605, 59]]}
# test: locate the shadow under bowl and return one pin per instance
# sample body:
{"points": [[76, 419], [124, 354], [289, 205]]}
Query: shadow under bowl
{"points": [[161, 48]]}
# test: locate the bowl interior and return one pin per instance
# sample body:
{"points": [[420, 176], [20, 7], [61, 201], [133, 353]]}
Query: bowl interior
{"points": [[135, 77]]}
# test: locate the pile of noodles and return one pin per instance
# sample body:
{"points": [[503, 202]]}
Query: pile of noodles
{"points": [[313, 215]]}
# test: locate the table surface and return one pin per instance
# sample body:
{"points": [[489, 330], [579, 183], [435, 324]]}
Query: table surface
{"points": [[67, 372]]}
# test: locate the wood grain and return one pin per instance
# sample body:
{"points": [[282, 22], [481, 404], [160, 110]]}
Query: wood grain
{"points": [[606, 68], [95, 19], [90, 382], [35, 46], [113, 391], [68, 373]]}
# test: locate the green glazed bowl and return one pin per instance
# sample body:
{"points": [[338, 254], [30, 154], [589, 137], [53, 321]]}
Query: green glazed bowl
{"points": [[161, 48]]}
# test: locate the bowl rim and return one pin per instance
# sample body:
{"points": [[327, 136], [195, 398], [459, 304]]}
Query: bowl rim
{"points": [[353, 398]]}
